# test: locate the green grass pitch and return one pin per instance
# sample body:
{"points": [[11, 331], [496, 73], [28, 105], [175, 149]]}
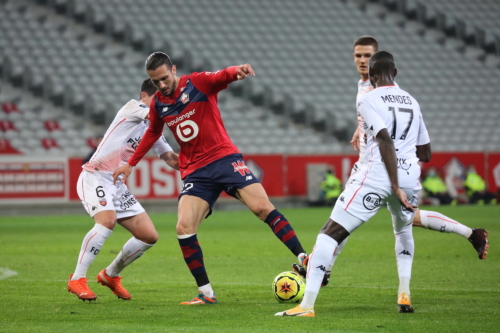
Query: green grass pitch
{"points": [[452, 290]]}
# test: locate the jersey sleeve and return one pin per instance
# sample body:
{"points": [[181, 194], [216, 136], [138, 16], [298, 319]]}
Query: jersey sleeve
{"points": [[372, 121], [161, 146], [213, 82], [153, 133], [423, 136], [135, 111]]}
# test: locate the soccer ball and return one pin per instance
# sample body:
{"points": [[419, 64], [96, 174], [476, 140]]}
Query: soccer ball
{"points": [[289, 287]]}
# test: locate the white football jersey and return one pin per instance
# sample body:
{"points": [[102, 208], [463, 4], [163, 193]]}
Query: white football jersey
{"points": [[394, 109], [364, 87], [122, 138]]}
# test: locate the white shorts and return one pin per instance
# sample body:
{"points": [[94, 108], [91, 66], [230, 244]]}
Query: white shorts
{"points": [[356, 167], [98, 193], [361, 201]]}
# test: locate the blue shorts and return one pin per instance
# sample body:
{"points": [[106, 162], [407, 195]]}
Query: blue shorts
{"points": [[227, 174]]}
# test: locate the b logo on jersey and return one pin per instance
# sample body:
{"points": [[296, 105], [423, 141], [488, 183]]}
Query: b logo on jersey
{"points": [[185, 98], [372, 201], [187, 130], [241, 167]]}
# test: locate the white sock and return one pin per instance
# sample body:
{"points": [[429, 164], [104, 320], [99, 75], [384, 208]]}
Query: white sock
{"points": [[404, 286], [320, 258], [405, 250], [207, 290], [336, 254], [439, 222], [132, 250], [91, 246]]}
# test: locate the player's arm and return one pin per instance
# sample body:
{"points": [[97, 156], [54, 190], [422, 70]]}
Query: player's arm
{"points": [[152, 134], [166, 153], [213, 82], [424, 153], [386, 146], [171, 158], [355, 139]]}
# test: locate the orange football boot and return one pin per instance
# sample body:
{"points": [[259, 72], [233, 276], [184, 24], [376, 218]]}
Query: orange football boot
{"points": [[81, 289], [114, 284]]}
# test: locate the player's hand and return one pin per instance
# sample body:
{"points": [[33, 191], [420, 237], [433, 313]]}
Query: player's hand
{"points": [[124, 170], [355, 140], [403, 199], [243, 71]]}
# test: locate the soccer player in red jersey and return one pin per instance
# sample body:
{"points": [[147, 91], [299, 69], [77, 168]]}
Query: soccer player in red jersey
{"points": [[208, 161]]}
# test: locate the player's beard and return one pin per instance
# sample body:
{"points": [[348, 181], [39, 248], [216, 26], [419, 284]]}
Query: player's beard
{"points": [[171, 89]]}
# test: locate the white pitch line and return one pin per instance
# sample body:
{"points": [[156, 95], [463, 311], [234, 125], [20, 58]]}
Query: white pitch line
{"points": [[6, 273], [266, 285]]}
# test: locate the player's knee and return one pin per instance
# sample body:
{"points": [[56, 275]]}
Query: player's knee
{"points": [[417, 222], [150, 238], [335, 231], [108, 223], [185, 227], [262, 209]]}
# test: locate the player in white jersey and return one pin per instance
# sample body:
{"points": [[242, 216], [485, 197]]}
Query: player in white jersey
{"points": [[363, 48], [393, 125], [109, 203]]}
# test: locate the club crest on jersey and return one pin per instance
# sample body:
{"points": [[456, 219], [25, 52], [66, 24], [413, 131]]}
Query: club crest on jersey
{"points": [[184, 98], [241, 167], [103, 202]]}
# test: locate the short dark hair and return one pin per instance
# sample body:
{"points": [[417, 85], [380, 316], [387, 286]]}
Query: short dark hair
{"points": [[157, 59], [382, 62], [148, 87], [366, 40]]}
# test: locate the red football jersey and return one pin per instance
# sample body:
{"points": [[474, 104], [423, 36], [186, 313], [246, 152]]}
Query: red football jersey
{"points": [[193, 116]]}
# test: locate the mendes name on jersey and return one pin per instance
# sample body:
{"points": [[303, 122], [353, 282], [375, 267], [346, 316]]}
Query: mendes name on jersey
{"points": [[122, 138], [193, 116], [364, 87], [394, 109]]}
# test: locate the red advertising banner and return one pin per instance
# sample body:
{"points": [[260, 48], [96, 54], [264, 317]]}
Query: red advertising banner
{"points": [[23, 178], [153, 179], [493, 172], [296, 170], [42, 179]]}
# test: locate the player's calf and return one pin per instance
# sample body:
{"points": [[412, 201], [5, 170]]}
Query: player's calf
{"points": [[284, 231]]}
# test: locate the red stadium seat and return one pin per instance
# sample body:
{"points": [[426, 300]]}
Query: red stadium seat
{"points": [[6, 147], [49, 143], [52, 125], [7, 125], [10, 107]]}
